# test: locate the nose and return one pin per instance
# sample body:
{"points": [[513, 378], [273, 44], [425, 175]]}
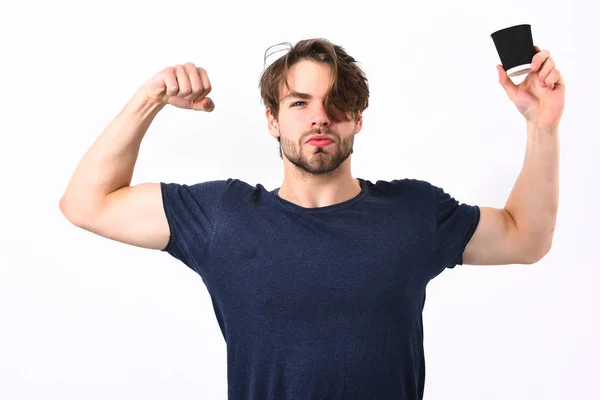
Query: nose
{"points": [[320, 117]]}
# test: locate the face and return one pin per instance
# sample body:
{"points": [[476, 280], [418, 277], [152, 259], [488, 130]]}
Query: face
{"points": [[303, 115]]}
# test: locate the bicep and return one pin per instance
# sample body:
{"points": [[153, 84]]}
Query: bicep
{"points": [[132, 215], [496, 241]]}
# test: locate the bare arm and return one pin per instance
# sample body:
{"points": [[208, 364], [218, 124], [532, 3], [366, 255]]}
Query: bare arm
{"points": [[533, 203], [99, 197], [93, 199], [522, 232]]}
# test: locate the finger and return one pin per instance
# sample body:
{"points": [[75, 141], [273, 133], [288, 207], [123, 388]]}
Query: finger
{"points": [[560, 80], [195, 81], [185, 86], [179, 102], [537, 49], [204, 104], [171, 86], [553, 79], [206, 86], [538, 60], [545, 70], [506, 83]]}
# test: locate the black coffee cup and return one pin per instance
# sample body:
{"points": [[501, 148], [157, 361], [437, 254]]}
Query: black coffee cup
{"points": [[515, 48]]}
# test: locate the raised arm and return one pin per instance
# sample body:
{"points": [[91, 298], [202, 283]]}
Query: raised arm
{"points": [[99, 197], [522, 232]]}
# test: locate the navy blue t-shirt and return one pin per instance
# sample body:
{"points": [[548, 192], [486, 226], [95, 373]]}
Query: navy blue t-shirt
{"points": [[319, 303]]}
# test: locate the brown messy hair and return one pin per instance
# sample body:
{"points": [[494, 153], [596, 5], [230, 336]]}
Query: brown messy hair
{"points": [[348, 89]]}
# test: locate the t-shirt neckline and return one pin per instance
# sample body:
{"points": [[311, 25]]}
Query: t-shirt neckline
{"points": [[325, 209]]}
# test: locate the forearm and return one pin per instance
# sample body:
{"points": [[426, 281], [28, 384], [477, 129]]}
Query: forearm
{"points": [[109, 163], [533, 202]]}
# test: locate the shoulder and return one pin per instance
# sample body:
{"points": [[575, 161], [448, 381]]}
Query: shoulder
{"points": [[231, 192], [419, 192], [403, 187], [211, 187], [411, 187]]}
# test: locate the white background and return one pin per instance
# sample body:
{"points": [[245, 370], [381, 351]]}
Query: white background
{"points": [[83, 317]]}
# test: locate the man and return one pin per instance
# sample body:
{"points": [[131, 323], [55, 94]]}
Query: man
{"points": [[318, 286]]}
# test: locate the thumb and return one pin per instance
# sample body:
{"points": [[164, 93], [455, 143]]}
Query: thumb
{"points": [[205, 104], [505, 81]]}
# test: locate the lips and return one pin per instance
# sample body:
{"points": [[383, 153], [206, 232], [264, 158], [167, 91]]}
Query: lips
{"points": [[319, 138], [320, 143]]}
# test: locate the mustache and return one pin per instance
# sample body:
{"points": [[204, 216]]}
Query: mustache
{"points": [[320, 131]]}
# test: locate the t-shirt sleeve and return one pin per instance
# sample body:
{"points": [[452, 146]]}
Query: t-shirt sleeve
{"points": [[454, 226], [192, 212]]}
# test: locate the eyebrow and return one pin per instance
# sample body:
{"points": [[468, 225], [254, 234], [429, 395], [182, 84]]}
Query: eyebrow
{"points": [[298, 95]]}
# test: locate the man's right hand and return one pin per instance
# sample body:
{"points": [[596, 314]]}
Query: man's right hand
{"points": [[185, 86]]}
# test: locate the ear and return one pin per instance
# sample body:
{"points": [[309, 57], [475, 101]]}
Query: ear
{"points": [[272, 123], [359, 122]]}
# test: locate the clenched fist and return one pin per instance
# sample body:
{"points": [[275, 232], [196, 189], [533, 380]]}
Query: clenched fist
{"points": [[184, 86]]}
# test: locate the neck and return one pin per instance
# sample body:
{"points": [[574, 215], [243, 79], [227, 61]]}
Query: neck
{"points": [[310, 191]]}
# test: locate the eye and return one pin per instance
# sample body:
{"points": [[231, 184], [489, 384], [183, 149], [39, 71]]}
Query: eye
{"points": [[297, 102]]}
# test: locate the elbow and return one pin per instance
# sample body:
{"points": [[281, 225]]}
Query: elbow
{"points": [[62, 206], [75, 215], [534, 256], [67, 212]]}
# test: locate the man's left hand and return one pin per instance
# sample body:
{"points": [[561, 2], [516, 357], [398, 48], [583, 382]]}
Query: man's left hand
{"points": [[541, 96]]}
